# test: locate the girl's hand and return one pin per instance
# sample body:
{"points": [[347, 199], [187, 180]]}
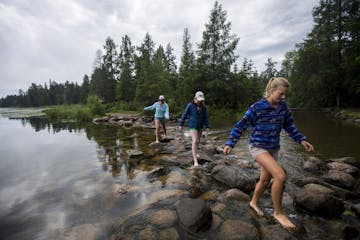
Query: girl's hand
{"points": [[308, 147], [227, 150], [181, 128]]}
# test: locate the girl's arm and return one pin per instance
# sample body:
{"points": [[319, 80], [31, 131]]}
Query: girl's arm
{"points": [[241, 126], [167, 111], [289, 127], [184, 115], [152, 107]]}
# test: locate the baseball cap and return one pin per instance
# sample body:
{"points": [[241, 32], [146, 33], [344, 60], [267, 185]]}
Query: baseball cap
{"points": [[199, 95], [161, 97]]}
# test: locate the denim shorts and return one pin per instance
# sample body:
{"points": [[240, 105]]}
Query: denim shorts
{"points": [[255, 151]]}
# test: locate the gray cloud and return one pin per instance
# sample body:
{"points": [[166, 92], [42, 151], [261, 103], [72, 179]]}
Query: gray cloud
{"points": [[45, 39]]}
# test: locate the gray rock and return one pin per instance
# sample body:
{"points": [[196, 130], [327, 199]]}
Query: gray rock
{"points": [[234, 177], [270, 231], [318, 199], [348, 160], [313, 164], [234, 194], [340, 179], [193, 214], [134, 153], [345, 167], [238, 230]]}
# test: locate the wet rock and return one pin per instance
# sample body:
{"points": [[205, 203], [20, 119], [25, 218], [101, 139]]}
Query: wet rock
{"points": [[163, 218], [234, 194], [238, 230], [193, 214], [269, 231], [338, 192], [169, 234], [217, 221], [340, 179], [125, 123], [210, 195], [344, 167], [120, 189], [134, 153], [218, 207], [174, 161], [349, 160], [147, 233], [315, 198], [313, 164], [157, 172], [156, 144], [164, 194], [85, 231], [175, 178], [234, 177], [356, 209], [101, 120]]}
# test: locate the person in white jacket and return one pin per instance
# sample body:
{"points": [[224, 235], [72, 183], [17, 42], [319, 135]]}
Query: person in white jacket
{"points": [[161, 113]]}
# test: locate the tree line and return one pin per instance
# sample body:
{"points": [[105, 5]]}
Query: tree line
{"points": [[324, 69]]}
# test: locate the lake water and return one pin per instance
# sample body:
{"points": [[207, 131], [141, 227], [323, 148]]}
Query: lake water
{"points": [[54, 176]]}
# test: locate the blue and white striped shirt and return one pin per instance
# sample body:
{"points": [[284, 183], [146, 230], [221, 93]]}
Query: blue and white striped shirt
{"points": [[266, 124]]}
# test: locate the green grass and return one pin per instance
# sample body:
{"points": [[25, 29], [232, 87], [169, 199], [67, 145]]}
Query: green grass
{"points": [[69, 112], [351, 113], [86, 112]]}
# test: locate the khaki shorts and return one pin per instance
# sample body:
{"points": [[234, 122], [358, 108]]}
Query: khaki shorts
{"points": [[255, 151]]}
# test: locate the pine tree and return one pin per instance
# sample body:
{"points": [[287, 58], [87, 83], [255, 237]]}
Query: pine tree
{"points": [[187, 70], [216, 56], [125, 88], [143, 70]]}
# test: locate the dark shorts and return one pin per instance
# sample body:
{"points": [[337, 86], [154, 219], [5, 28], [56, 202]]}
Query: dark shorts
{"points": [[162, 120]]}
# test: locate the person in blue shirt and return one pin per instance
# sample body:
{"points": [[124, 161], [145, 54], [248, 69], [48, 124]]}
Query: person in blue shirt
{"points": [[161, 113], [198, 121], [267, 118]]}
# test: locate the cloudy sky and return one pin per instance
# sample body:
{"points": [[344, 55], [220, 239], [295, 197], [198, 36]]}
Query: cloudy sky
{"points": [[57, 40]]}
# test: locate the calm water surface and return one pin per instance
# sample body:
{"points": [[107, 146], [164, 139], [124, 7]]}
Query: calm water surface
{"points": [[54, 176]]}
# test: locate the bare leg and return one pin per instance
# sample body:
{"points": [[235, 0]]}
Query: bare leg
{"points": [[163, 127], [157, 126], [268, 163], [195, 143], [259, 190]]}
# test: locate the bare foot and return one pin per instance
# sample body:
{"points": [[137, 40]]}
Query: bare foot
{"points": [[196, 164], [256, 209], [284, 221]]}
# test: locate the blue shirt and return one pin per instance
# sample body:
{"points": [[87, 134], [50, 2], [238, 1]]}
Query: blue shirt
{"points": [[266, 124], [198, 116], [162, 110]]}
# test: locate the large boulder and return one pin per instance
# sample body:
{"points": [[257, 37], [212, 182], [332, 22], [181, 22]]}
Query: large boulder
{"points": [[340, 179], [317, 199], [237, 230], [313, 164], [343, 167], [348, 160], [194, 214], [235, 177]]}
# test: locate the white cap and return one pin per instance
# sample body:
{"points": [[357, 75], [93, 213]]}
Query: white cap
{"points": [[161, 97], [199, 95]]}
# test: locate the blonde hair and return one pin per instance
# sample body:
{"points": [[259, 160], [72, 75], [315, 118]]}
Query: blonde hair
{"points": [[274, 83]]}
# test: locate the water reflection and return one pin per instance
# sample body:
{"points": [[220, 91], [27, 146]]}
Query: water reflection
{"points": [[111, 141]]}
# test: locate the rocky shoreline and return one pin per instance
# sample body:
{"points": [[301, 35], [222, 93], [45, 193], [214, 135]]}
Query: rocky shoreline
{"points": [[211, 202]]}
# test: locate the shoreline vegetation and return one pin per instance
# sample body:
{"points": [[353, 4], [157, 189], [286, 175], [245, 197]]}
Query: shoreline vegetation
{"points": [[94, 109]]}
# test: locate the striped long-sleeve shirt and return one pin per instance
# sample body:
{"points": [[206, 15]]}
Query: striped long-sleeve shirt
{"points": [[266, 124]]}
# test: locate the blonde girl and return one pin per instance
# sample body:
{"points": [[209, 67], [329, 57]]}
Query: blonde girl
{"points": [[267, 118]]}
